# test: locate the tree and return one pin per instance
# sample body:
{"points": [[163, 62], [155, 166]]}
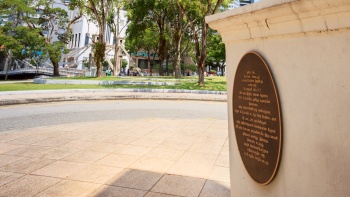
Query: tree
{"points": [[97, 11], [147, 39], [216, 50], [55, 22], [195, 12], [113, 22], [150, 14], [52, 24], [177, 28], [19, 42]]}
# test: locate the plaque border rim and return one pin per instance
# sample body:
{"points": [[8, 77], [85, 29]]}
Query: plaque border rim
{"points": [[273, 175]]}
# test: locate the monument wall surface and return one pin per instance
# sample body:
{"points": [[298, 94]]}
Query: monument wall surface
{"points": [[306, 44]]}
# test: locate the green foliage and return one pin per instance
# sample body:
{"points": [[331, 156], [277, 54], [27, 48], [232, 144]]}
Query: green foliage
{"points": [[195, 12], [191, 67], [21, 41], [215, 47], [35, 34], [124, 63]]}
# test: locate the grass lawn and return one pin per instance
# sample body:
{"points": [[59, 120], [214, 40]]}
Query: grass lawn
{"points": [[188, 83]]}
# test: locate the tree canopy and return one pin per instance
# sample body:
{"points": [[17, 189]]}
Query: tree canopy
{"points": [[51, 25]]}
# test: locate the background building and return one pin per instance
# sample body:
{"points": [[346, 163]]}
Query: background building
{"points": [[80, 46]]}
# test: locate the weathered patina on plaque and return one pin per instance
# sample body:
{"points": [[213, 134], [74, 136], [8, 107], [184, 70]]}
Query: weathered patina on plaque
{"points": [[257, 118]]}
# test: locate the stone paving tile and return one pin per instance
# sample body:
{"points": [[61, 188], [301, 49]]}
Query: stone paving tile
{"points": [[60, 169], [85, 156], [71, 188], [28, 185], [112, 191], [118, 160], [7, 177], [8, 159], [198, 158], [215, 189], [211, 141], [153, 164], [133, 150], [73, 135], [181, 137], [28, 151], [121, 139], [104, 147], [221, 174], [163, 153], [225, 151], [27, 165], [131, 158], [136, 179], [96, 174], [226, 143], [154, 194], [223, 161], [5, 147], [77, 144], [58, 153], [175, 145], [52, 142], [96, 137], [160, 134], [28, 140], [222, 124], [179, 185], [216, 133], [191, 170], [201, 148], [147, 142]]}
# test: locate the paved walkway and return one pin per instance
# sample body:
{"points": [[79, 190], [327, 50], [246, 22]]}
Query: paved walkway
{"points": [[150, 157], [23, 97]]}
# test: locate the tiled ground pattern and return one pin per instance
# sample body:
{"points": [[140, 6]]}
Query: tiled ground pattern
{"points": [[145, 157]]}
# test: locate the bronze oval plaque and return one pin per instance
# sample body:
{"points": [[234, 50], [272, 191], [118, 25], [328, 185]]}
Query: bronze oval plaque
{"points": [[257, 118]]}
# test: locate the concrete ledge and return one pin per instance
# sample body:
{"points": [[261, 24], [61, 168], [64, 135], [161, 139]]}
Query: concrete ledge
{"points": [[273, 18]]}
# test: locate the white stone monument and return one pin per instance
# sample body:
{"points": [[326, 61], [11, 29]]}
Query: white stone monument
{"points": [[306, 44]]}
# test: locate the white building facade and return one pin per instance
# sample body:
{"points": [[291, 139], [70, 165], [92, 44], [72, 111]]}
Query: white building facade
{"points": [[80, 46]]}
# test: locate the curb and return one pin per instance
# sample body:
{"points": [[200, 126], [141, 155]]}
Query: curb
{"points": [[93, 82], [43, 96]]}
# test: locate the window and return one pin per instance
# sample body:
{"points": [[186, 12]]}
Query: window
{"points": [[86, 39], [75, 42], [79, 40]]}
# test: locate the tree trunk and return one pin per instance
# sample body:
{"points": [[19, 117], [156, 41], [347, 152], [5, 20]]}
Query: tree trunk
{"points": [[200, 75], [161, 55], [100, 48], [167, 66], [177, 62], [7, 66], [149, 66], [56, 70]]}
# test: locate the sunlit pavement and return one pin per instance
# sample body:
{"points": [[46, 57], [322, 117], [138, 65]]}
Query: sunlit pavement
{"points": [[145, 157]]}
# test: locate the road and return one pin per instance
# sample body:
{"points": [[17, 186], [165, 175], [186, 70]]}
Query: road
{"points": [[33, 115]]}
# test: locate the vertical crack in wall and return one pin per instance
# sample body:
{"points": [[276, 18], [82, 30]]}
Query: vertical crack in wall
{"points": [[267, 25]]}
